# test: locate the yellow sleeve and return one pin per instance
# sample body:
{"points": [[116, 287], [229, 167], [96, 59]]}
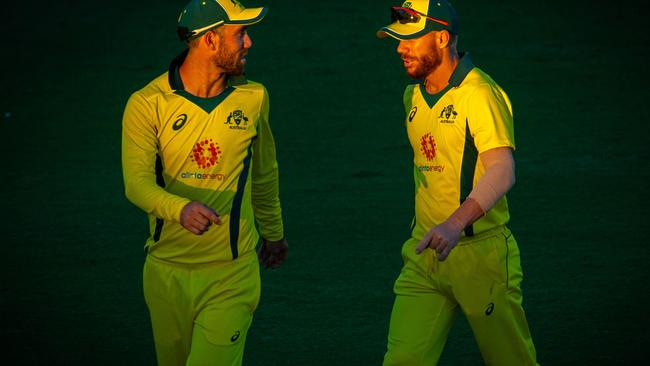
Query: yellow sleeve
{"points": [[265, 187], [490, 118], [408, 103], [139, 150]]}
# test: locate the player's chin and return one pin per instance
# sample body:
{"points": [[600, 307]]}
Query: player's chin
{"points": [[415, 73], [236, 70], [411, 71], [412, 75]]}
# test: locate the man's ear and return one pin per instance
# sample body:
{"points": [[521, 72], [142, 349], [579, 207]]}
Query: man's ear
{"points": [[443, 39], [211, 40]]}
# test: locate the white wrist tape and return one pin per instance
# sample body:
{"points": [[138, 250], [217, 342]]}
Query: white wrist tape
{"points": [[499, 177]]}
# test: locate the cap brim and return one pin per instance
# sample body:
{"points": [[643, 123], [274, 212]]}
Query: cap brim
{"points": [[248, 16], [401, 31]]}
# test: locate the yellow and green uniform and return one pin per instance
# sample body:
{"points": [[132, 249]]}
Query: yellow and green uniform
{"points": [[482, 274], [220, 151], [447, 132], [178, 148]]}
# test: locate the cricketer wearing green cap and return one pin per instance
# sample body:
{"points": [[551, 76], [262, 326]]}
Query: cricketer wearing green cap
{"points": [[198, 157], [460, 257]]}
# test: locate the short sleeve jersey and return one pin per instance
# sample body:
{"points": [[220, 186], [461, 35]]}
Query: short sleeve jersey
{"points": [[447, 131]]}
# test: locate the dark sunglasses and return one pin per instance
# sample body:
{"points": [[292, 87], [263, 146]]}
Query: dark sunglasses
{"points": [[408, 15]]}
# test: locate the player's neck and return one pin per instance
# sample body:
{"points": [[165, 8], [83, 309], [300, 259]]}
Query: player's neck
{"points": [[438, 79], [201, 78]]}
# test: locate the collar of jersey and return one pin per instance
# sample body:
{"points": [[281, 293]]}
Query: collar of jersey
{"points": [[463, 68], [207, 104]]}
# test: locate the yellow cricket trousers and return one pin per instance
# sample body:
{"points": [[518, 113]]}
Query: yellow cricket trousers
{"points": [[482, 278], [200, 314]]}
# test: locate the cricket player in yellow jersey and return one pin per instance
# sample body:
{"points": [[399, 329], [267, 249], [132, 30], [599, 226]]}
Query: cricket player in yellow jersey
{"points": [[461, 256], [199, 157]]}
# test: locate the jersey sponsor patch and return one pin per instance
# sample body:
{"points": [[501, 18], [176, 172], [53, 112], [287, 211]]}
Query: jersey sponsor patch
{"points": [[431, 168], [206, 153], [428, 146]]}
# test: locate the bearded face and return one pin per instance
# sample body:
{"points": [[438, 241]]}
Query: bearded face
{"points": [[420, 56], [233, 46]]}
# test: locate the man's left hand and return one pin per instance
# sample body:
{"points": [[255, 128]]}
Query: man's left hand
{"points": [[272, 253], [442, 238]]}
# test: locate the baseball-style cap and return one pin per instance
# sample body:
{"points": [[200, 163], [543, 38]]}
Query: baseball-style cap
{"points": [[199, 16], [418, 17]]}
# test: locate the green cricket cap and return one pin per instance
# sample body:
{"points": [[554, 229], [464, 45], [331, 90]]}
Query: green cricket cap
{"points": [[416, 18], [199, 16]]}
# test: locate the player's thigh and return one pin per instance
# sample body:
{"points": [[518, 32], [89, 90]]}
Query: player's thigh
{"points": [[493, 305], [169, 310], [421, 315], [226, 314]]}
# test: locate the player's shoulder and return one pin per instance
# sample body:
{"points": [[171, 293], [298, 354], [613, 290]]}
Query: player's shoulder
{"points": [[410, 88], [157, 86], [250, 86], [478, 80], [479, 88]]}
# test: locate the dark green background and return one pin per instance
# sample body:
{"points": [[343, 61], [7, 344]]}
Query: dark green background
{"points": [[72, 244]]}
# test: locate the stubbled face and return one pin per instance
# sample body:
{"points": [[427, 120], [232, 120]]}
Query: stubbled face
{"points": [[234, 43], [420, 56]]}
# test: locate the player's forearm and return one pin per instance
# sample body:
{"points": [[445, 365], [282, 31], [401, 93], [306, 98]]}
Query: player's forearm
{"points": [[497, 180], [143, 192], [468, 212], [265, 192], [266, 206]]}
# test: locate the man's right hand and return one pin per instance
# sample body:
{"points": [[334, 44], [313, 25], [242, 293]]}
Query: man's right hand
{"points": [[197, 217]]}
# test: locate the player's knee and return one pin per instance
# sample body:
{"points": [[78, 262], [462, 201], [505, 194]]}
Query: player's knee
{"points": [[402, 357]]}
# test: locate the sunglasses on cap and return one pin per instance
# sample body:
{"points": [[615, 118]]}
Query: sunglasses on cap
{"points": [[408, 15]]}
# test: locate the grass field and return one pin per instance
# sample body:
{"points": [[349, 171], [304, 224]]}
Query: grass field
{"points": [[72, 244]]}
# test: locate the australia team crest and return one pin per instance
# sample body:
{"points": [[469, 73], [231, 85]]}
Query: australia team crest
{"points": [[237, 120]]}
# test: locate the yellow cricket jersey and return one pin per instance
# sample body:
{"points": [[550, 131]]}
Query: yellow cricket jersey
{"points": [[447, 132], [220, 151]]}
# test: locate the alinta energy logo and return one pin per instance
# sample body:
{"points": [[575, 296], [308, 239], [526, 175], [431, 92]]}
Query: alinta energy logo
{"points": [[428, 146], [448, 114], [240, 120], [206, 153]]}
